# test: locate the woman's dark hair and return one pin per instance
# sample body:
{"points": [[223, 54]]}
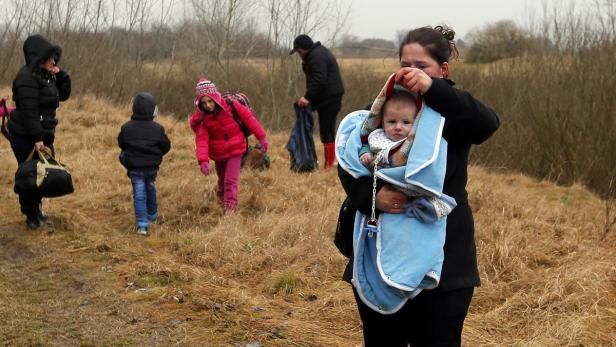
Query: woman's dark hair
{"points": [[438, 42]]}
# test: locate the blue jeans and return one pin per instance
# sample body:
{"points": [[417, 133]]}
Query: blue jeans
{"points": [[144, 195]]}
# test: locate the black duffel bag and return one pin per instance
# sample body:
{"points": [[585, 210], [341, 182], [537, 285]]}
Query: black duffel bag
{"points": [[43, 175]]}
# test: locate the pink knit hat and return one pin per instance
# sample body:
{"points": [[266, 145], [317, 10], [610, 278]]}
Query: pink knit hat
{"points": [[207, 87]]}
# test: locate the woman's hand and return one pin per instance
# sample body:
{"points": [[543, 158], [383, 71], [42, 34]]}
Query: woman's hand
{"points": [[414, 79], [50, 65], [390, 200], [54, 70], [39, 145]]}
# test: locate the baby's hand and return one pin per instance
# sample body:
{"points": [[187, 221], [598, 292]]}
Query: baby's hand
{"points": [[366, 159]]}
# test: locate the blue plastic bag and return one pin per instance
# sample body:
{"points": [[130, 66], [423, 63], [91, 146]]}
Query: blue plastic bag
{"points": [[301, 143]]}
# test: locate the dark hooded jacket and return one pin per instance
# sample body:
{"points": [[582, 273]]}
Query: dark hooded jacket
{"points": [[323, 81], [37, 93], [143, 141]]}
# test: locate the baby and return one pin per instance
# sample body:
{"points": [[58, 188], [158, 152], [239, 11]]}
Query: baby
{"points": [[397, 125]]}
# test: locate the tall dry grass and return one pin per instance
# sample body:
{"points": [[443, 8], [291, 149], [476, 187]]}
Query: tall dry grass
{"points": [[270, 272], [557, 116], [555, 101]]}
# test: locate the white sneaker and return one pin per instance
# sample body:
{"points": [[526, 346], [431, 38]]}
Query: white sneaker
{"points": [[142, 231]]}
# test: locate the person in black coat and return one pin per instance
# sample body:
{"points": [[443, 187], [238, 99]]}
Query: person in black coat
{"points": [[38, 89], [324, 89], [434, 317], [143, 143]]}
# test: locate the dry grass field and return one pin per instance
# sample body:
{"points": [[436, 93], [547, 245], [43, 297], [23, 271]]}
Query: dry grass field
{"points": [[269, 274], [381, 66], [377, 65]]}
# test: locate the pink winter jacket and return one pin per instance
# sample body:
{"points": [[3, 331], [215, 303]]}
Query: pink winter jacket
{"points": [[218, 136]]}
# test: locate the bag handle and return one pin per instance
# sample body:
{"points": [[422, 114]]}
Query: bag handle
{"points": [[45, 154], [31, 154], [42, 154]]}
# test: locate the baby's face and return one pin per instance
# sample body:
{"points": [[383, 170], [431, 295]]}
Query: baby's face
{"points": [[398, 118], [207, 104]]}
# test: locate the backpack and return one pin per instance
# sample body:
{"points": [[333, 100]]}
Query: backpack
{"points": [[254, 156], [5, 114], [242, 99]]}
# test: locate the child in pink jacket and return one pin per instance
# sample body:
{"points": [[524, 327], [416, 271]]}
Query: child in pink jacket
{"points": [[219, 137]]}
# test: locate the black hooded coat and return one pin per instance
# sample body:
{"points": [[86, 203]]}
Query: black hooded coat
{"points": [[143, 141], [37, 93]]}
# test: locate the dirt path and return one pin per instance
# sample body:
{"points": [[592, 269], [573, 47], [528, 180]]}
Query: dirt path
{"points": [[57, 293]]}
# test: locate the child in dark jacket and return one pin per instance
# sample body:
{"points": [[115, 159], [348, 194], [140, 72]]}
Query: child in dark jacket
{"points": [[143, 143], [218, 136]]}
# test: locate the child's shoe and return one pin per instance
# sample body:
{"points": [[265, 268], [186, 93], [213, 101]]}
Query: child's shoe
{"points": [[153, 218], [142, 231]]}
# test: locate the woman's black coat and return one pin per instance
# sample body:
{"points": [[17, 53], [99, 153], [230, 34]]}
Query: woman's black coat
{"points": [[467, 122], [37, 93]]}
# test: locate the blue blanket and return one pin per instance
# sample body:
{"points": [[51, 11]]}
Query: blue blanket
{"points": [[404, 255]]}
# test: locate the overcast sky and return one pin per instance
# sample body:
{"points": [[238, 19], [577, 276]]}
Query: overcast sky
{"points": [[383, 18]]}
